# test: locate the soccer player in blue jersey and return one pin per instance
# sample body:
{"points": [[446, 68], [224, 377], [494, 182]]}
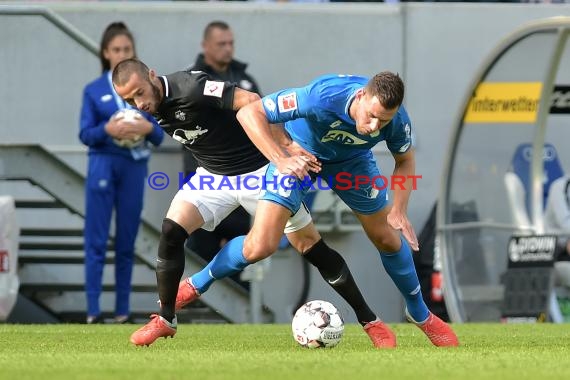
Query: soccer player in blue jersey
{"points": [[338, 119], [201, 113]]}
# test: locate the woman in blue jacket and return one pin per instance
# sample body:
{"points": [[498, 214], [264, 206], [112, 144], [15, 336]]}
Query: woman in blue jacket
{"points": [[117, 169]]}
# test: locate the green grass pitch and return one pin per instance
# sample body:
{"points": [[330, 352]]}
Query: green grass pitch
{"points": [[200, 352]]}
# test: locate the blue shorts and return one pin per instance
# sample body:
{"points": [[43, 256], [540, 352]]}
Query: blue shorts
{"points": [[350, 180]]}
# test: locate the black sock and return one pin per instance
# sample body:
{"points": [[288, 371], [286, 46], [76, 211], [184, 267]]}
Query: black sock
{"points": [[334, 270], [170, 266]]}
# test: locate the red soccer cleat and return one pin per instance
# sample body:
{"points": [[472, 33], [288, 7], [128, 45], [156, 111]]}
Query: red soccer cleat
{"points": [[186, 294], [380, 334], [158, 327], [439, 332]]}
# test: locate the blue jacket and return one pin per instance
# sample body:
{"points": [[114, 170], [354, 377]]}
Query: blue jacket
{"points": [[99, 104]]}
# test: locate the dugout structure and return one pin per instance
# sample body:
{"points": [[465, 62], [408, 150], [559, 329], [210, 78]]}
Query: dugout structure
{"points": [[518, 101]]}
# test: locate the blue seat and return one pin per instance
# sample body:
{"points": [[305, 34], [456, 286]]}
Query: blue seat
{"points": [[518, 184], [517, 180]]}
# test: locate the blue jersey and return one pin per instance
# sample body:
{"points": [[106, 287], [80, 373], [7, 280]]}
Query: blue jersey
{"points": [[316, 116]]}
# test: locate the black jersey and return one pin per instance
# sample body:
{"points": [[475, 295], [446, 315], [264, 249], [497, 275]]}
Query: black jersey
{"points": [[197, 112]]}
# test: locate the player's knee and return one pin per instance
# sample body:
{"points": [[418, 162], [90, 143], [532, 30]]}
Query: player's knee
{"points": [[257, 248], [386, 242], [173, 232], [304, 239]]}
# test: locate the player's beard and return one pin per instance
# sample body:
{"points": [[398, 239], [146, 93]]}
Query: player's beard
{"points": [[156, 97]]}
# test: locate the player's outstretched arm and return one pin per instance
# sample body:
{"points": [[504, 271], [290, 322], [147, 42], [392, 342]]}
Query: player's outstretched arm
{"points": [[254, 121], [405, 168], [243, 97], [292, 148]]}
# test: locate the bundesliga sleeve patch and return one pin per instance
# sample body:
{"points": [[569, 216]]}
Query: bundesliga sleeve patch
{"points": [[287, 102], [213, 88]]}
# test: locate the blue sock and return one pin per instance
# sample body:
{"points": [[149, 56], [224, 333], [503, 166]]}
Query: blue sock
{"points": [[228, 261], [400, 267]]}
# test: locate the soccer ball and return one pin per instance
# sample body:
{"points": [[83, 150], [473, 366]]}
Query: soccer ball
{"points": [[317, 324], [128, 115]]}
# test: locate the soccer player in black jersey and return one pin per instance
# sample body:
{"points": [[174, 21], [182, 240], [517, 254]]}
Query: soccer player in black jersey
{"points": [[200, 113]]}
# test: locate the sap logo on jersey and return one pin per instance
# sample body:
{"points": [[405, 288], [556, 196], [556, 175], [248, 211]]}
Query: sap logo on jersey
{"points": [[213, 88], [287, 102], [343, 137]]}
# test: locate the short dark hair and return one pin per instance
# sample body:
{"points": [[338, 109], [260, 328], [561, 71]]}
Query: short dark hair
{"points": [[128, 67], [113, 30], [388, 87], [214, 25]]}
